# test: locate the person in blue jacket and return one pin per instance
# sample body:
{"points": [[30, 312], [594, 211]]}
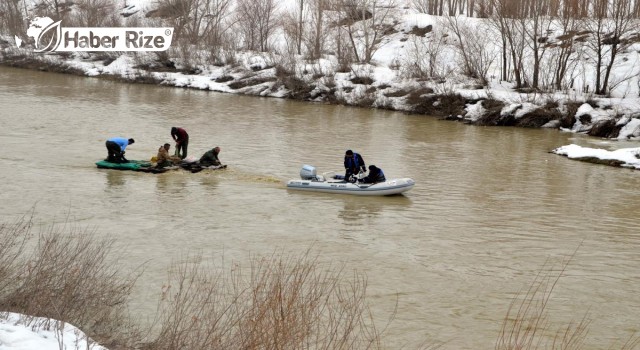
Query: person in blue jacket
{"points": [[375, 175], [115, 149], [353, 164]]}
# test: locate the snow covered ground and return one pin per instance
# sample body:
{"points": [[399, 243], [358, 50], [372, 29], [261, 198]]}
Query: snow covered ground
{"points": [[21, 332], [625, 157]]}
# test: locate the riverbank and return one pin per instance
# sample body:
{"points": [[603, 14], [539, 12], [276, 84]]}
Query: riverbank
{"points": [[365, 86]]}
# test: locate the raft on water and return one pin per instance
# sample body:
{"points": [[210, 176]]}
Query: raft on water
{"points": [[148, 167]]}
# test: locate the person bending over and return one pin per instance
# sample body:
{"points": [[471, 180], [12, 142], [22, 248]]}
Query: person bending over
{"points": [[115, 149], [181, 138], [210, 158]]}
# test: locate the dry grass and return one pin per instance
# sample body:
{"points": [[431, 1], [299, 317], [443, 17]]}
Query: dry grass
{"points": [[526, 324], [280, 302], [276, 302], [64, 274]]}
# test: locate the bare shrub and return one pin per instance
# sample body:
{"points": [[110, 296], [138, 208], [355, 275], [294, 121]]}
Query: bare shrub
{"points": [[95, 13], [256, 20], [366, 25], [425, 59], [65, 275], [11, 18], [278, 302], [12, 245], [473, 46], [526, 322]]}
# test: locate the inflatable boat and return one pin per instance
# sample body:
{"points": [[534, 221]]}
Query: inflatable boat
{"points": [[310, 181]]}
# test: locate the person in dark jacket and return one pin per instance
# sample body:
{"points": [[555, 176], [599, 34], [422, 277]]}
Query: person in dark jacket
{"points": [[375, 175], [353, 164], [181, 138], [210, 158], [115, 149]]}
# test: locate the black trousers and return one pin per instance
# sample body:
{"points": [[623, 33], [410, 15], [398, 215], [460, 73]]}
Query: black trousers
{"points": [[114, 152], [181, 149]]}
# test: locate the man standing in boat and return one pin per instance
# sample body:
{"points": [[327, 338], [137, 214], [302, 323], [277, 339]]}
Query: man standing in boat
{"points": [[115, 149], [353, 163], [181, 138]]}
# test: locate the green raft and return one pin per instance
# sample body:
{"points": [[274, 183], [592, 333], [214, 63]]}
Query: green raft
{"points": [[133, 165], [147, 167]]}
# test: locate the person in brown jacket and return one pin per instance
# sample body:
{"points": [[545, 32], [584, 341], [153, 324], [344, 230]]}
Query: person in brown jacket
{"points": [[163, 157]]}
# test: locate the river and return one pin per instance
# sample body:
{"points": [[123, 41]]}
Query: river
{"points": [[489, 208]]}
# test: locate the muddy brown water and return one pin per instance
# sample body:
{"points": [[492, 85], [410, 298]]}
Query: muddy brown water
{"points": [[491, 205]]}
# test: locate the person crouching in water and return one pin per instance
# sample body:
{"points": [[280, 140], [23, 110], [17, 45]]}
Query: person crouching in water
{"points": [[163, 157], [375, 175], [210, 158]]}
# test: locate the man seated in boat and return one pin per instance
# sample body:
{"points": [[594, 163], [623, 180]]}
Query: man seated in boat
{"points": [[353, 164], [164, 159], [210, 158], [375, 175]]}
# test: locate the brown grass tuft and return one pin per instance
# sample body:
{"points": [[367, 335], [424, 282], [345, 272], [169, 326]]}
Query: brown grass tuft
{"points": [[64, 274], [279, 302], [526, 323]]}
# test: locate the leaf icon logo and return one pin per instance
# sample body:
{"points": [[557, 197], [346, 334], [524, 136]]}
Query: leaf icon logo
{"points": [[45, 30]]}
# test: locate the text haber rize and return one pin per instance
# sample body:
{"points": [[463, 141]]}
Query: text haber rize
{"points": [[132, 40]]}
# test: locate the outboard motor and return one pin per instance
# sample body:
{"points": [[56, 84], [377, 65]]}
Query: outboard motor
{"points": [[308, 172]]}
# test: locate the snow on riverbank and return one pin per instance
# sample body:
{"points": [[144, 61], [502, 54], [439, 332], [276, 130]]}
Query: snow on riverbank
{"points": [[624, 157], [383, 83], [21, 332]]}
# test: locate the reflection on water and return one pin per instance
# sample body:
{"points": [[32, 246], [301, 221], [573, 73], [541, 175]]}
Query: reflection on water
{"points": [[490, 205], [115, 178], [358, 210]]}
